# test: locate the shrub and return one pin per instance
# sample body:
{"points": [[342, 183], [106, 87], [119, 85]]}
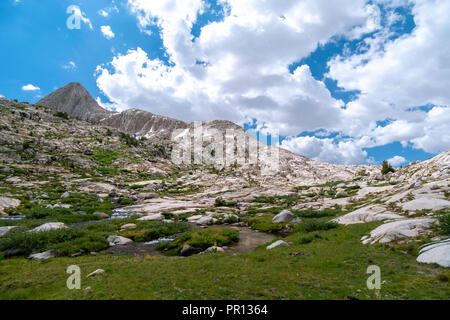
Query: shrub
{"points": [[444, 224], [314, 225], [2, 256], [105, 157], [317, 214], [128, 140], [86, 244], [41, 213], [63, 115], [29, 242], [222, 203], [125, 201], [88, 203], [386, 168]]}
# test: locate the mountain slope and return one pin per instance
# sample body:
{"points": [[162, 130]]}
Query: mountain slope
{"points": [[76, 101]]}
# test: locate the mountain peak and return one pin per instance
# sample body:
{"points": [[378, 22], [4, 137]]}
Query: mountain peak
{"points": [[76, 101]]}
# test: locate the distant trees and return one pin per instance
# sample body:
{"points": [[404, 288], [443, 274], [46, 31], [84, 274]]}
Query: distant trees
{"points": [[386, 168]]}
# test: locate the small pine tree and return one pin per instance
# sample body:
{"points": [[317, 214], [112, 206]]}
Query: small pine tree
{"points": [[386, 168]]}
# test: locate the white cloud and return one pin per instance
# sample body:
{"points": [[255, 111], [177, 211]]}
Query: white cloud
{"points": [[70, 66], [397, 75], [396, 161], [107, 32], [327, 150], [106, 12], [30, 87], [237, 69], [103, 13], [1, 96]]}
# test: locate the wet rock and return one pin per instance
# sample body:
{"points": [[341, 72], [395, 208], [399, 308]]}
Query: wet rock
{"points": [[188, 250], [285, 216], [277, 244]]}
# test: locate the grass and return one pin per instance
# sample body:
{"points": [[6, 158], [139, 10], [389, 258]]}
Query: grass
{"points": [[314, 225], [201, 239], [335, 269], [152, 230], [264, 223]]}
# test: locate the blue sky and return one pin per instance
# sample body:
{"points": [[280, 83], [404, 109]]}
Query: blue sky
{"points": [[329, 101]]}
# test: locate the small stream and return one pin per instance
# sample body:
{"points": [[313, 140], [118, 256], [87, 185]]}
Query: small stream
{"points": [[249, 240]]}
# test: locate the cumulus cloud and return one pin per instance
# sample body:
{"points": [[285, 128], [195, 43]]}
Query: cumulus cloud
{"points": [[395, 76], [1, 96], [237, 69], [396, 161], [30, 87], [327, 150], [107, 32]]}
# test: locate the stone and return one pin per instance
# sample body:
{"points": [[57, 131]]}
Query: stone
{"points": [[215, 249], [277, 244], [6, 203], [426, 203], [128, 226], [205, 220], [285, 216], [152, 217], [49, 226], [65, 195], [194, 218], [399, 230], [146, 196], [367, 214], [188, 250], [42, 256], [118, 240], [436, 252], [5, 230], [101, 215], [95, 273]]}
